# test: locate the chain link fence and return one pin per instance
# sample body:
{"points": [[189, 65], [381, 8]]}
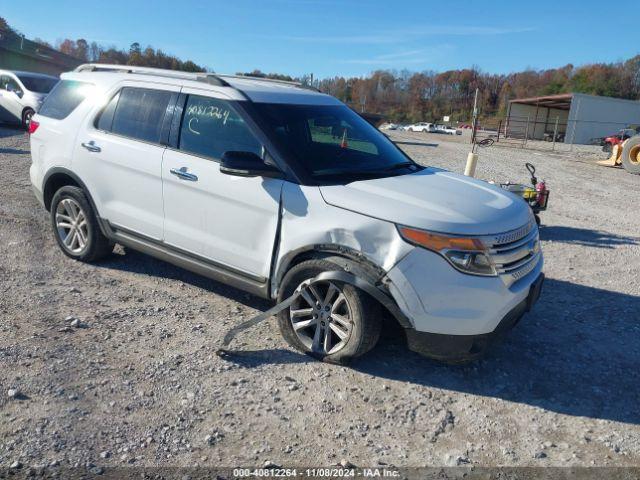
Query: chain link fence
{"points": [[551, 134]]}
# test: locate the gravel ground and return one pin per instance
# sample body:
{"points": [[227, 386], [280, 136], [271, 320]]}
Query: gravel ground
{"points": [[113, 364]]}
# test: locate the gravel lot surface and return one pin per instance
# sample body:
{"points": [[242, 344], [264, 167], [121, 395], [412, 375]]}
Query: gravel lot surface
{"points": [[135, 381]]}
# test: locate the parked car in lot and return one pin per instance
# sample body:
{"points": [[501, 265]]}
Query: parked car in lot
{"points": [[22, 93], [421, 127], [447, 130], [388, 126], [245, 181]]}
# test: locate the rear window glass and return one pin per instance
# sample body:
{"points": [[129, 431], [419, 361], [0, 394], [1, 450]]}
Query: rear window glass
{"points": [[140, 113], [38, 84], [65, 98], [105, 120]]}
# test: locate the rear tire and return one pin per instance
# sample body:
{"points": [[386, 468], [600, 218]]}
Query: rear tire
{"points": [[607, 148], [75, 226], [361, 311], [631, 155], [26, 117]]}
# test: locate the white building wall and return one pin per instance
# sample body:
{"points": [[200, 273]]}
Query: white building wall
{"points": [[543, 121], [591, 116]]}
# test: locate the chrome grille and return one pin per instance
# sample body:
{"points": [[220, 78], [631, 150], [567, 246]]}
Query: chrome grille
{"points": [[513, 235], [515, 253]]}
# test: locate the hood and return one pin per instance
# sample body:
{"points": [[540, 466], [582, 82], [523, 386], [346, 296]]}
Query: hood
{"points": [[433, 199]]}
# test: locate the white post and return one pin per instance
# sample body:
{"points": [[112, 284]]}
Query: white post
{"points": [[472, 160], [472, 157]]}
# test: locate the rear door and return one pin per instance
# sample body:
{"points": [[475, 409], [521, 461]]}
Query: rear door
{"points": [[230, 221], [119, 156]]}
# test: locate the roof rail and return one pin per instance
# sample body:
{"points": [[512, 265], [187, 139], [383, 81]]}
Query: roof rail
{"points": [[270, 80], [210, 78], [262, 79], [206, 77]]}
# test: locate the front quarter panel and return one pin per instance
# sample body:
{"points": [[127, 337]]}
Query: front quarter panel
{"points": [[308, 222]]}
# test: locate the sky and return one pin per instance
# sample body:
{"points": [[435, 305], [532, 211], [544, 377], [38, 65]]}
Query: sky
{"points": [[348, 38]]}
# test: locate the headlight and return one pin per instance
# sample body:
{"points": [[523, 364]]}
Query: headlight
{"points": [[465, 254]]}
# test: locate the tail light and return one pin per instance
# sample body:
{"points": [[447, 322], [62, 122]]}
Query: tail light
{"points": [[33, 126]]}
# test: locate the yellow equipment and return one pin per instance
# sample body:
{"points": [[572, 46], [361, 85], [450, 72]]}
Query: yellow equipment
{"points": [[614, 159], [627, 154]]}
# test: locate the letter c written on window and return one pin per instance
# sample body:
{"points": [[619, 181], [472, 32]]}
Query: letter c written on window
{"points": [[191, 125]]}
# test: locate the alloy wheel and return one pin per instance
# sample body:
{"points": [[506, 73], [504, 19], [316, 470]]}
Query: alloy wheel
{"points": [[321, 318], [71, 225]]}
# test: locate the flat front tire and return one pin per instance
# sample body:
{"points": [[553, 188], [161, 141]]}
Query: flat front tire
{"points": [[75, 226], [331, 321]]}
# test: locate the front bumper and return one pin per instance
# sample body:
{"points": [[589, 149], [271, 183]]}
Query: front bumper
{"points": [[437, 298], [465, 348]]}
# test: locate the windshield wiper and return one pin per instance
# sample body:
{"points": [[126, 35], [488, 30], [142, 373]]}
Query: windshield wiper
{"points": [[333, 172], [398, 166], [337, 171], [345, 173]]}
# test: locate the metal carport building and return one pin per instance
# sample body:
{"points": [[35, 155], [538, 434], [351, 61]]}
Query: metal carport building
{"points": [[579, 117]]}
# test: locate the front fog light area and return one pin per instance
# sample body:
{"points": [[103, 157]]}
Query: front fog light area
{"points": [[471, 262]]}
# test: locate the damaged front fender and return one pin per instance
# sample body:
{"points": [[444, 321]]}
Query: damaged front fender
{"points": [[308, 224]]}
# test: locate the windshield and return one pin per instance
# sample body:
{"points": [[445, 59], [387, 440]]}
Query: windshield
{"points": [[332, 141], [38, 84]]}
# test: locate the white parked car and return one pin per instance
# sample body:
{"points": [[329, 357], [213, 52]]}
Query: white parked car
{"points": [[447, 130], [388, 126], [421, 127], [266, 185], [22, 93]]}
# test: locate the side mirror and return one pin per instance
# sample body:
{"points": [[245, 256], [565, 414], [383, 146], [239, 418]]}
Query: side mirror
{"points": [[247, 164]]}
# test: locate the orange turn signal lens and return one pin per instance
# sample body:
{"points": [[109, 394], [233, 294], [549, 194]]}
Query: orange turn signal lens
{"points": [[438, 243]]}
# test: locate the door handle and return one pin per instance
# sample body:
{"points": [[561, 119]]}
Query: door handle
{"points": [[183, 174], [91, 146]]}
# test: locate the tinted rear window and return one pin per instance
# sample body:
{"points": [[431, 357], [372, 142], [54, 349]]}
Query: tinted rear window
{"points": [[65, 98], [38, 84], [140, 113], [105, 119]]}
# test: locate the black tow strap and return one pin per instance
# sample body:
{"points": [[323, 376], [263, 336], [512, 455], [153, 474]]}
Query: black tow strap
{"points": [[337, 276], [334, 275]]}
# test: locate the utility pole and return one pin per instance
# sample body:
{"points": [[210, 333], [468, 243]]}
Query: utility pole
{"points": [[475, 105]]}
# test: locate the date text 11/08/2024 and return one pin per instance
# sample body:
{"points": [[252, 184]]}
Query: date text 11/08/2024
{"points": [[316, 472]]}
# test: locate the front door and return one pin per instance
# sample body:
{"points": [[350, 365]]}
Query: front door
{"points": [[10, 103], [119, 156], [230, 221]]}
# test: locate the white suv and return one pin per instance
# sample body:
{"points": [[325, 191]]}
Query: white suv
{"points": [[422, 127], [22, 93], [264, 185]]}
